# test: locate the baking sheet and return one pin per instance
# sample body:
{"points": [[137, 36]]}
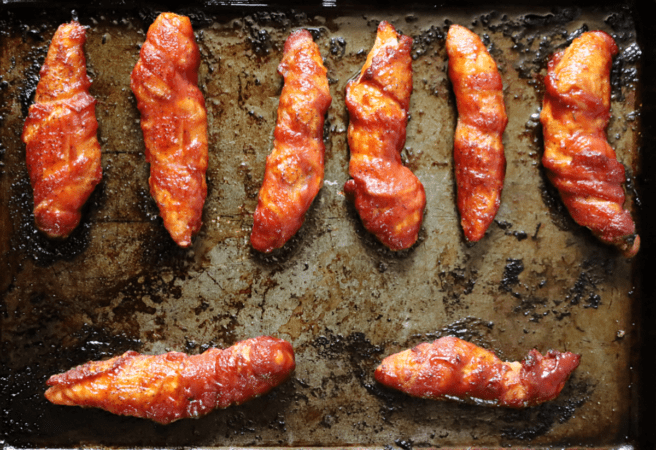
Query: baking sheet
{"points": [[119, 282]]}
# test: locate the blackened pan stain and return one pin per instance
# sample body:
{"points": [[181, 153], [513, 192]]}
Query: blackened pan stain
{"points": [[558, 213], [471, 329], [538, 420], [584, 289], [455, 284], [31, 77], [258, 37], [357, 350], [506, 227], [520, 235], [428, 40], [148, 16], [129, 306], [514, 267], [29, 240], [337, 47], [405, 444]]}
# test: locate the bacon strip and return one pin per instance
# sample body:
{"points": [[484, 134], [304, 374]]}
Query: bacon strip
{"points": [[453, 369], [577, 156], [388, 196], [480, 164], [294, 170], [62, 152], [173, 386], [174, 123]]}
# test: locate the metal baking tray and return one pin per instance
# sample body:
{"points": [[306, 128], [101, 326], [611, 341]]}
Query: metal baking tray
{"points": [[119, 282]]}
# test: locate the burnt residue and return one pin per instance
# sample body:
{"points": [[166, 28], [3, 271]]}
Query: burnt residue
{"points": [[355, 348], [256, 25], [558, 213], [583, 292], [430, 40], [510, 278], [31, 77], [536, 36], [455, 284], [36, 245], [506, 226], [539, 420], [337, 46]]}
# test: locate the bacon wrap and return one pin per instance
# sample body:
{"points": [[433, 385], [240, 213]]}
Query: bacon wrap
{"points": [[453, 369], [480, 164], [62, 151], [388, 196], [174, 123], [577, 156], [173, 386], [294, 170]]}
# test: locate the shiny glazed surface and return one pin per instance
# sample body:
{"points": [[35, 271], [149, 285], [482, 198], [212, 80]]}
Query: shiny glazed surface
{"points": [[450, 368], [579, 160], [388, 196], [173, 386], [63, 153], [174, 123], [480, 164], [294, 170]]}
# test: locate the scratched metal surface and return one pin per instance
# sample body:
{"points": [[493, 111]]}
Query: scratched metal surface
{"points": [[119, 282]]}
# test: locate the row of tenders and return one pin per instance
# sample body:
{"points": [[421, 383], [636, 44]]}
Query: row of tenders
{"points": [[63, 159], [63, 153], [173, 385]]}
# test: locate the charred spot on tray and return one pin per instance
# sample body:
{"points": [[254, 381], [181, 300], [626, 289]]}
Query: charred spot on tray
{"points": [[511, 272], [31, 77], [530, 423], [535, 308], [471, 329], [337, 46], [558, 213], [405, 444], [585, 290], [29, 240], [251, 182], [455, 284], [356, 350], [428, 40]]}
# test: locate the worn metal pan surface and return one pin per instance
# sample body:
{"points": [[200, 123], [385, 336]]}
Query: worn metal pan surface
{"points": [[119, 282]]}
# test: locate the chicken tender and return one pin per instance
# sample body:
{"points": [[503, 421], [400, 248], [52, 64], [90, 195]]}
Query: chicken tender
{"points": [[173, 386], [174, 123], [453, 369], [578, 159], [294, 170], [389, 198], [480, 164], [62, 150]]}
